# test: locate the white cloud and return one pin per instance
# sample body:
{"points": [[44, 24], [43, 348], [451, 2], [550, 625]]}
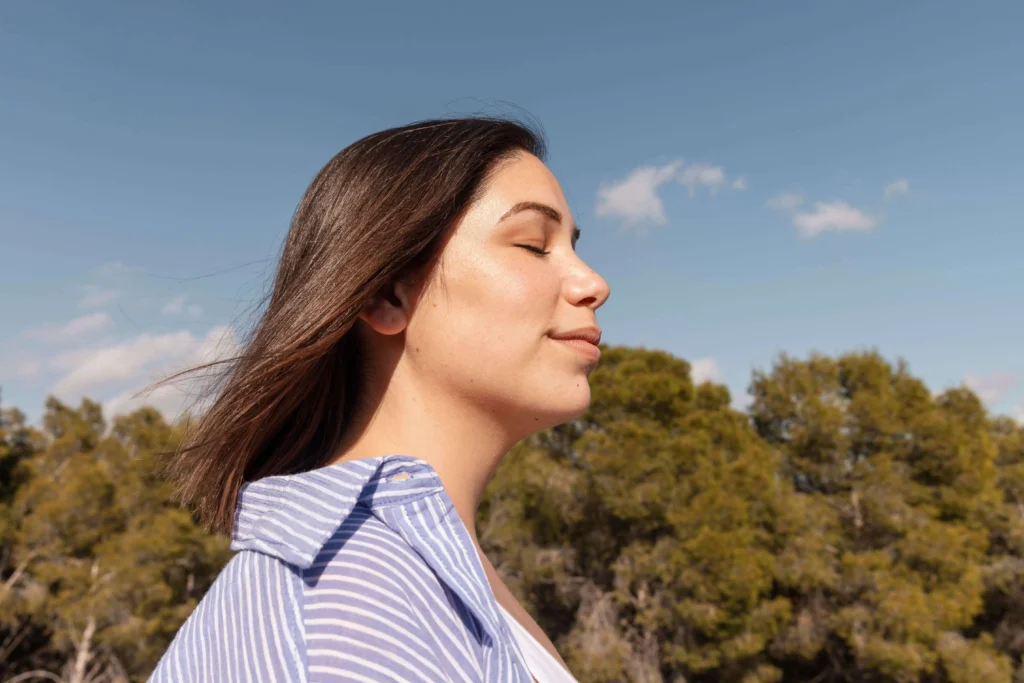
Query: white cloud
{"points": [[636, 199], [785, 202], [27, 368], [87, 324], [115, 268], [991, 388], [704, 370], [173, 398], [89, 369], [175, 305], [897, 188], [95, 297], [702, 175], [137, 361], [1017, 413], [72, 330], [836, 216]]}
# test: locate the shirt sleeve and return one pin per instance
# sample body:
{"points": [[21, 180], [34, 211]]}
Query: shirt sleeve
{"points": [[248, 627], [363, 623]]}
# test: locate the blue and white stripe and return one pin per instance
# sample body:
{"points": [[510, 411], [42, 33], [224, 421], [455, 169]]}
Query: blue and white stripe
{"points": [[348, 573]]}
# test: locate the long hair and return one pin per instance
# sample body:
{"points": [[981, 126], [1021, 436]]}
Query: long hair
{"points": [[381, 208]]}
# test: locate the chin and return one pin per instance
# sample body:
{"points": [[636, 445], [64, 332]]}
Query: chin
{"points": [[571, 404], [545, 398]]}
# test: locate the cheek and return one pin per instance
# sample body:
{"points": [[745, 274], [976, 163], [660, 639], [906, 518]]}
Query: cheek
{"points": [[510, 293], [505, 298], [488, 315]]}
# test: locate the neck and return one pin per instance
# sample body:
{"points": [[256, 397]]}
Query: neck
{"points": [[462, 442]]}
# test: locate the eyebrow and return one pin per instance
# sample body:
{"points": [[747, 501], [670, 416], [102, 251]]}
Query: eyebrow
{"points": [[548, 211]]}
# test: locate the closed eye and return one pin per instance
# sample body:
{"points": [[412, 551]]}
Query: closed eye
{"points": [[535, 250]]}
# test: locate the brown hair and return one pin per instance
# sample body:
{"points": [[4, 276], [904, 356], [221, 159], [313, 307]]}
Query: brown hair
{"points": [[381, 208]]}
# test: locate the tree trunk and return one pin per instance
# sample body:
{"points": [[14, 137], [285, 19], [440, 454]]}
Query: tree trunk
{"points": [[84, 652]]}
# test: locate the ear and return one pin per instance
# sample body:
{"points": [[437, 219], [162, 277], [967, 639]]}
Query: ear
{"points": [[388, 311]]}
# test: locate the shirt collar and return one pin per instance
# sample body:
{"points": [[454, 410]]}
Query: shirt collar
{"points": [[292, 516]]}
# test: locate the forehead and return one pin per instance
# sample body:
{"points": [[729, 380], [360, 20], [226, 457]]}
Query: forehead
{"points": [[525, 173], [524, 178]]}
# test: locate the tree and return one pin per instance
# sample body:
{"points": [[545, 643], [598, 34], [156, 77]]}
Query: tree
{"points": [[909, 486], [852, 527], [643, 538], [1003, 615], [18, 634], [111, 566]]}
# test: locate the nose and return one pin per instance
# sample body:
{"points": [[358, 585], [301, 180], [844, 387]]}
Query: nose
{"points": [[584, 287]]}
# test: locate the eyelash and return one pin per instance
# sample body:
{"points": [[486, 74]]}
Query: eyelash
{"points": [[535, 250]]}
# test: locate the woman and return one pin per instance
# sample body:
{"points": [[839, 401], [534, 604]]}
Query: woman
{"points": [[429, 311]]}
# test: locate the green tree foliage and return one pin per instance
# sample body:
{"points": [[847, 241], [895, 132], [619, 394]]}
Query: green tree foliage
{"points": [[102, 568], [851, 526], [644, 536], [909, 487]]}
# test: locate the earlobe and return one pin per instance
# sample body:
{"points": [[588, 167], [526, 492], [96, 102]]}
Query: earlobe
{"points": [[383, 316]]}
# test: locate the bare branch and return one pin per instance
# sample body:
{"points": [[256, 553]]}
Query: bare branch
{"points": [[30, 675], [13, 578]]}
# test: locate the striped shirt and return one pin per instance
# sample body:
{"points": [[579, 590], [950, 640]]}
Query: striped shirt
{"points": [[358, 571]]}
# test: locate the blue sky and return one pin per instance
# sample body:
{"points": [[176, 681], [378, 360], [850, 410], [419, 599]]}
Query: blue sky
{"points": [[750, 177]]}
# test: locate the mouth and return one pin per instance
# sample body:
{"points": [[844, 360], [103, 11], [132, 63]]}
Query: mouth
{"points": [[583, 347], [583, 341]]}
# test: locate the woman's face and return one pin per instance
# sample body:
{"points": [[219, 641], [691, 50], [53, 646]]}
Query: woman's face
{"points": [[485, 322]]}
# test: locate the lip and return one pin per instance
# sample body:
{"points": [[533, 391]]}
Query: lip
{"points": [[583, 340], [590, 334], [583, 347]]}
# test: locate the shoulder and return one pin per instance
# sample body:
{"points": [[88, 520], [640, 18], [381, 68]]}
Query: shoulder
{"points": [[372, 605], [248, 626], [362, 541]]}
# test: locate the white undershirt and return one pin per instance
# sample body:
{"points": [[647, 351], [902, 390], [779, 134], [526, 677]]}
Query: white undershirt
{"points": [[542, 664]]}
